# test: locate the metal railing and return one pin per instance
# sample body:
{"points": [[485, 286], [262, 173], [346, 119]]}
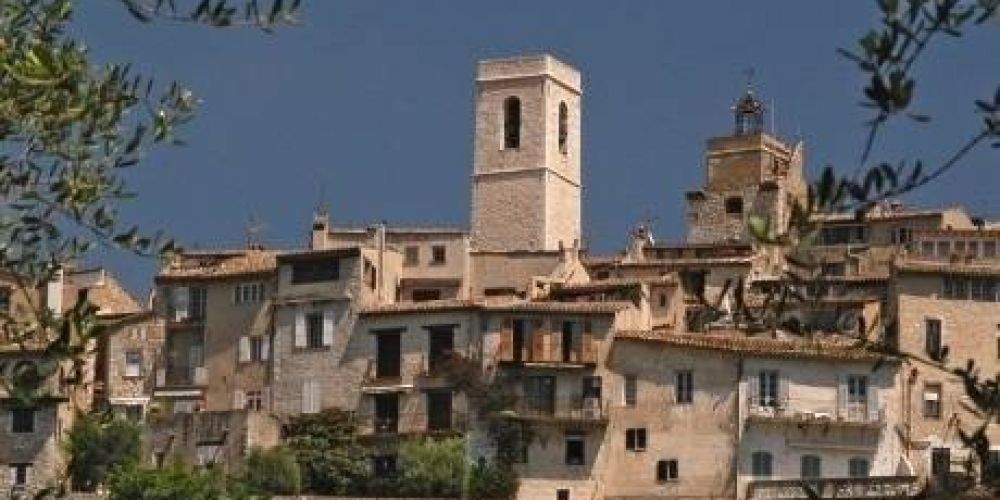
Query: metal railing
{"points": [[842, 487], [571, 409], [815, 410], [182, 376]]}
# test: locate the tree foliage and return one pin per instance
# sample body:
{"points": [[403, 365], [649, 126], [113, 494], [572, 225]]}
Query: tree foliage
{"points": [[174, 482], [274, 471], [98, 443], [329, 455], [432, 467]]}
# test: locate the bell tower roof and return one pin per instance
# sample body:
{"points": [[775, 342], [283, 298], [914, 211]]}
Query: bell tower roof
{"points": [[748, 111]]}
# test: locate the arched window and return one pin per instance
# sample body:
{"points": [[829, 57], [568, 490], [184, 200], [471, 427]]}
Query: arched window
{"points": [[811, 467], [563, 127], [761, 462], [857, 467], [512, 123], [734, 205]]}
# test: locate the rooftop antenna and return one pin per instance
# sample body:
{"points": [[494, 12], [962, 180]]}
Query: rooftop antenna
{"points": [[253, 230], [749, 73], [321, 207], [774, 130]]}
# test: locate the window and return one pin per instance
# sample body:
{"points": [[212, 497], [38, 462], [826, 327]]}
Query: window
{"points": [[575, 448], [562, 494], [663, 300], [311, 396], [734, 205], [631, 390], [666, 470], [314, 330], [425, 294], [989, 249], [439, 405], [570, 342], [811, 467], [133, 363], [940, 462], [19, 474], [387, 354], [635, 439], [767, 388], [684, 387], [592, 387], [22, 420], [198, 297], [441, 345], [932, 337], [563, 127], [540, 394], [312, 271], [515, 448], [133, 413], [257, 348], [956, 288], [438, 255], [761, 464], [858, 467], [248, 293], [411, 256], [384, 466], [4, 300], [983, 290], [512, 123], [932, 400], [254, 400], [857, 389], [387, 413], [927, 249]]}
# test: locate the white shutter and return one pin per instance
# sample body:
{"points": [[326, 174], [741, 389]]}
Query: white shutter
{"points": [[244, 349], [180, 297], [842, 396], [754, 389], [300, 327], [265, 348], [873, 404], [310, 396], [328, 326], [783, 401], [239, 400]]}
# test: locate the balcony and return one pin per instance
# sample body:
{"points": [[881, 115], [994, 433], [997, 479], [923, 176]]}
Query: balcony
{"points": [[374, 380], [544, 353], [815, 411], [181, 377], [853, 487], [575, 410], [411, 423]]}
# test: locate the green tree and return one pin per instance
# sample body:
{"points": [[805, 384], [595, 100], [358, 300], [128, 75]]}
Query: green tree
{"points": [[432, 467], [331, 459], [175, 482], [273, 471], [97, 443], [491, 481]]}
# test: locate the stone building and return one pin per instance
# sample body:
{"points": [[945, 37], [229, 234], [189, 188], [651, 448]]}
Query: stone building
{"points": [[630, 376]]}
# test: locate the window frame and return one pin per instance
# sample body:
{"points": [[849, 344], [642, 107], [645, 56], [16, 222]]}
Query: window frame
{"points": [[853, 465], [22, 420], [930, 407], [439, 255], [684, 387], [733, 206], [811, 466], [667, 470], [127, 372], [762, 464], [512, 123], [636, 439], [576, 444], [314, 329], [411, 255]]}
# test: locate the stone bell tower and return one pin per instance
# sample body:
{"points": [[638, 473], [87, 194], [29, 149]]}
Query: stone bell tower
{"points": [[526, 172], [749, 172]]}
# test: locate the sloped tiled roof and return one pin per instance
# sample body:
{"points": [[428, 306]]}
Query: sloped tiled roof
{"points": [[112, 299], [739, 343], [943, 267], [497, 305], [219, 265]]}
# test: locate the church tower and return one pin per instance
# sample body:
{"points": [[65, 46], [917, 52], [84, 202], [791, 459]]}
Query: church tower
{"points": [[749, 172], [526, 172]]}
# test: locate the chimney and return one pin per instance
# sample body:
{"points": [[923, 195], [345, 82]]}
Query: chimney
{"points": [[320, 228]]}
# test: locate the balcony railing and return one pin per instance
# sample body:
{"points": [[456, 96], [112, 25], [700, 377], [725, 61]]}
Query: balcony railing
{"points": [[546, 352], [182, 377], [573, 409], [819, 411], [410, 423], [853, 487]]}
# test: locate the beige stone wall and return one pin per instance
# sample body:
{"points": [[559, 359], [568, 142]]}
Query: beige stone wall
{"points": [[145, 334], [509, 269], [526, 198], [41, 448], [970, 330]]}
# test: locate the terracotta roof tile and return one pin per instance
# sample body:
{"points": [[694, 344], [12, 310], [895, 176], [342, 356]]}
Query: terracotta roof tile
{"points": [[219, 265], [738, 342], [497, 305]]}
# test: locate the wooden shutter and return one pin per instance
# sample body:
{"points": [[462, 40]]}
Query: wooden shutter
{"points": [[754, 389], [300, 327], [328, 316], [244, 349], [537, 341], [783, 401]]}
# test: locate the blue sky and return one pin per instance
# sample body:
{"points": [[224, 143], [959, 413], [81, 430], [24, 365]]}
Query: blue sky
{"points": [[367, 107]]}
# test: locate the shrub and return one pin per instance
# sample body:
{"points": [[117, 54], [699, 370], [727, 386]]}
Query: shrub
{"points": [[491, 481], [97, 443], [274, 471]]}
